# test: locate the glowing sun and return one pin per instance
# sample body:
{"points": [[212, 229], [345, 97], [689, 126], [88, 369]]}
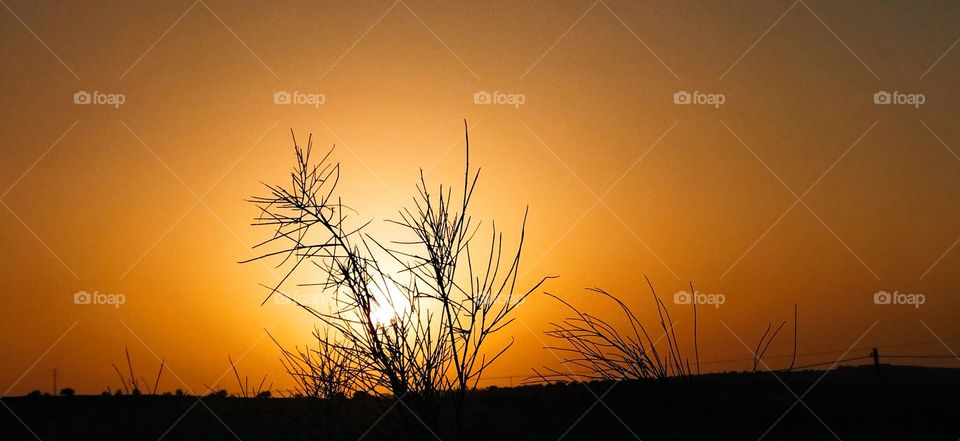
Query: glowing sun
{"points": [[389, 303]]}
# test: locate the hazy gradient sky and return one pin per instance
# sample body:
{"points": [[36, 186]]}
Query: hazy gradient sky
{"points": [[147, 199]]}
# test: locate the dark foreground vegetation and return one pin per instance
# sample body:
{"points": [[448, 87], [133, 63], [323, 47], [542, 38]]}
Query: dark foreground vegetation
{"points": [[854, 403]]}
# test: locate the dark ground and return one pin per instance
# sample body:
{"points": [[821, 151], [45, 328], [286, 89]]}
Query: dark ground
{"points": [[862, 403]]}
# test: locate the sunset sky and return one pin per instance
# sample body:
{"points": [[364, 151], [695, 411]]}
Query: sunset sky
{"points": [[797, 189]]}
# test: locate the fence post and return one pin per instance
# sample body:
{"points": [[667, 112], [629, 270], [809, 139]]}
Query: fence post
{"points": [[876, 357]]}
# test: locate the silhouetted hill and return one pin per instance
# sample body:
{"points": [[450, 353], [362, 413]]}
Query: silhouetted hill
{"points": [[853, 403]]}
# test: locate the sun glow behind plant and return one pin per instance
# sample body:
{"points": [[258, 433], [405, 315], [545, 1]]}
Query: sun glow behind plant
{"points": [[389, 302]]}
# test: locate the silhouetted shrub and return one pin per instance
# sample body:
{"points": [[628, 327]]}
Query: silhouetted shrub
{"points": [[428, 339]]}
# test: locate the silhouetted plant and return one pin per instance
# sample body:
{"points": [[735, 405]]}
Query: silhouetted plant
{"points": [[324, 373], [602, 352], [67, 392], [766, 339], [246, 390], [131, 385], [321, 372], [763, 344], [433, 346], [157, 382]]}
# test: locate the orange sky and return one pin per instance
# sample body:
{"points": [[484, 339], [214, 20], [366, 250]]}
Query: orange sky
{"points": [[147, 199]]}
